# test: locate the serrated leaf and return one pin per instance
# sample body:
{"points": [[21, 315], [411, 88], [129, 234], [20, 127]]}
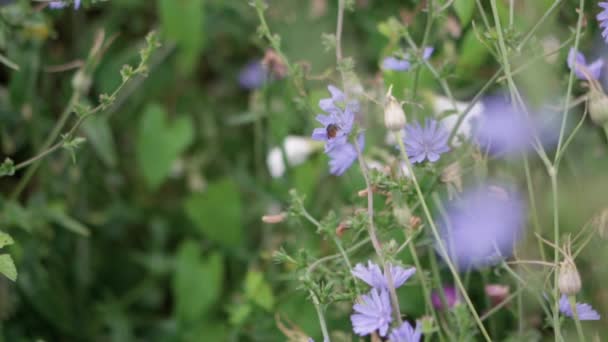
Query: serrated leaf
{"points": [[160, 143], [184, 22], [7, 267], [217, 212], [464, 9], [258, 290], [197, 283]]}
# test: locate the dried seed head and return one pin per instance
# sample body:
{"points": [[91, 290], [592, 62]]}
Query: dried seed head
{"points": [[600, 223], [569, 280], [394, 116], [598, 107]]}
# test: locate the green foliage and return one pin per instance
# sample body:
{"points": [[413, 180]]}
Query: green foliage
{"points": [[258, 290], [464, 9], [160, 143], [216, 212]]}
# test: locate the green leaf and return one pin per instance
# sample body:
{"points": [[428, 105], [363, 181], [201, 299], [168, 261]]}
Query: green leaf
{"points": [[100, 136], [7, 267], [217, 212], [472, 55], [184, 22], [56, 213], [5, 239], [197, 283], [258, 291], [464, 9], [160, 143]]}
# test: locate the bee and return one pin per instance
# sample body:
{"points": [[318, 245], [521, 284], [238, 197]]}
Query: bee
{"points": [[332, 130]]}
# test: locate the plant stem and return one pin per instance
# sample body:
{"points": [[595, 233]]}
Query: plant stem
{"points": [[556, 322], [321, 316], [399, 137], [339, 30], [425, 38], [577, 321]]}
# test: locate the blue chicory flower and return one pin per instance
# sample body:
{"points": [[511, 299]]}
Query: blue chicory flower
{"points": [[338, 124], [373, 276], [482, 227], [253, 75], [406, 333], [373, 313], [585, 311], [398, 64], [62, 4], [602, 17], [342, 157], [426, 143], [583, 70]]}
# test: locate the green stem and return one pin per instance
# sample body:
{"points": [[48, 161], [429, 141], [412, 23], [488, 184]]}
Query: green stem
{"points": [[532, 199], [425, 38], [442, 249], [577, 321], [321, 317], [556, 322]]}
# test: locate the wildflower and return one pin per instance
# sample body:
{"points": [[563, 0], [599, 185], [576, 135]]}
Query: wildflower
{"points": [[406, 333], [503, 129], [373, 313], [497, 293], [583, 70], [602, 17], [585, 311], [339, 123], [482, 227], [373, 276], [253, 75], [404, 64], [62, 4], [342, 157], [451, 297], [297, 150], [394, 116], [426, 143]]}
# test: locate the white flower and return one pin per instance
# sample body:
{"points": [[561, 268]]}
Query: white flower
{"points": [[297, 150], [442, 104]]}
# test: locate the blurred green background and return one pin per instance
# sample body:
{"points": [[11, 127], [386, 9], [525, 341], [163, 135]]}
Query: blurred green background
{"points": [[155, 231]]}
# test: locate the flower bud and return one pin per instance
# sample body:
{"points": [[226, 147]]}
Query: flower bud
{"points": [[598, 107], [81, 82], [568, 281], [394, 116], [273, 219]]}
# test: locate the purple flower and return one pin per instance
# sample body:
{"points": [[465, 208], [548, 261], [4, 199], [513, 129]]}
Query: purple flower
{"points": [[338, 124], [583, 70], [502, 129], [62, 4], [602, 17], [426, 143], [373, 313], [342, 157], [374, 277], [253, 75], [584, 310], [451, 296], [404, 64], [482, 227], [406, 333]]}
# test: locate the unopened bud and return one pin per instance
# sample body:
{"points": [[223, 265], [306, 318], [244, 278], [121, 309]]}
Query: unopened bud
{"points": [[598, 107], [568, 281], [600, 223], [415, 222], [342, 228], [394, 116], [273, 219], [81, 82]]}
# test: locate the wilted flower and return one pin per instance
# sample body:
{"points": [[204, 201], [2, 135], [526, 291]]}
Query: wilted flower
{"points": [[373, 313], [342, 157], [583, 70], [598, 105], [394, 116], [253, 75], [483, 226], [568, 280], [451, 297], [404, 64], [339, 123], [585, 311], [297, 149], [62, 4], [602, 17], [374, 277], [406, 333], [503, 129], [426, 143]]}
